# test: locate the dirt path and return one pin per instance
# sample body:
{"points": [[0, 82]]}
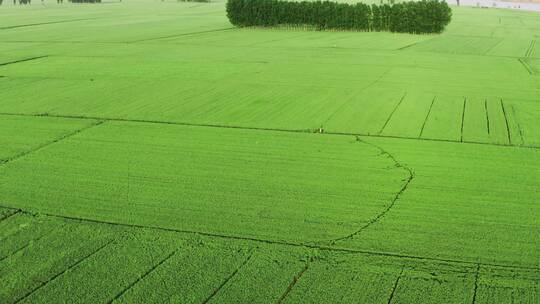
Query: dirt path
{"points": [[532, 5]]}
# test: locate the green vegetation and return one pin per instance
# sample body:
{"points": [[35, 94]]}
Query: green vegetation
{"points": [[307, 188], [152, 152], [21, 135], [425, 16]]}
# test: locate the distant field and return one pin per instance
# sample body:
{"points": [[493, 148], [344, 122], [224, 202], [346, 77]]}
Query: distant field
{"points": [[525, 1], [150, 152]]}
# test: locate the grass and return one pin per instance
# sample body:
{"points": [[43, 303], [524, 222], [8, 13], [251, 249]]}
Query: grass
{"points": [[150, 152]]}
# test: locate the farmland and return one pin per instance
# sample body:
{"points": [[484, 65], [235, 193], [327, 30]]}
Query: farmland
{"points": [[152, 152]]}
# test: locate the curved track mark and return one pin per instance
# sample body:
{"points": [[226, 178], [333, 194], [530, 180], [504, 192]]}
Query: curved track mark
{"points": [[377, 218], [285, 243]]}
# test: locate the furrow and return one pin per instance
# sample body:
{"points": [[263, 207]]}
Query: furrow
{"points": [[518, 125], [46, 23], [526, 66], [413, 44], [295, 280], [15, 212], [342, 106], [43, 284], [530, 49], [391, 114], [183, 34], [232, 275], [38, 148], [475, 291], [487, 116], [506, 123], [394, 288], [425, 120], [23, 60], [28, 244], [463, 117], [154, 267], [492, 47]]}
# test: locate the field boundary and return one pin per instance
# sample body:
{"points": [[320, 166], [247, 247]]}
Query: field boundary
{"points": [[278, 242], [270, 129]]}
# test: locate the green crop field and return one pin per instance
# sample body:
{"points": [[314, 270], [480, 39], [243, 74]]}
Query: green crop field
{"points": [[150, 152]]}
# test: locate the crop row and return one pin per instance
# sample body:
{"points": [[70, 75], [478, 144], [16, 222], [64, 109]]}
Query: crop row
{"points": [[91, 262], [233, 182]]}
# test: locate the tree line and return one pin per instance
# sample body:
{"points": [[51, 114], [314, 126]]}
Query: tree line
{"points": [[418, 17], [19, 1]]}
